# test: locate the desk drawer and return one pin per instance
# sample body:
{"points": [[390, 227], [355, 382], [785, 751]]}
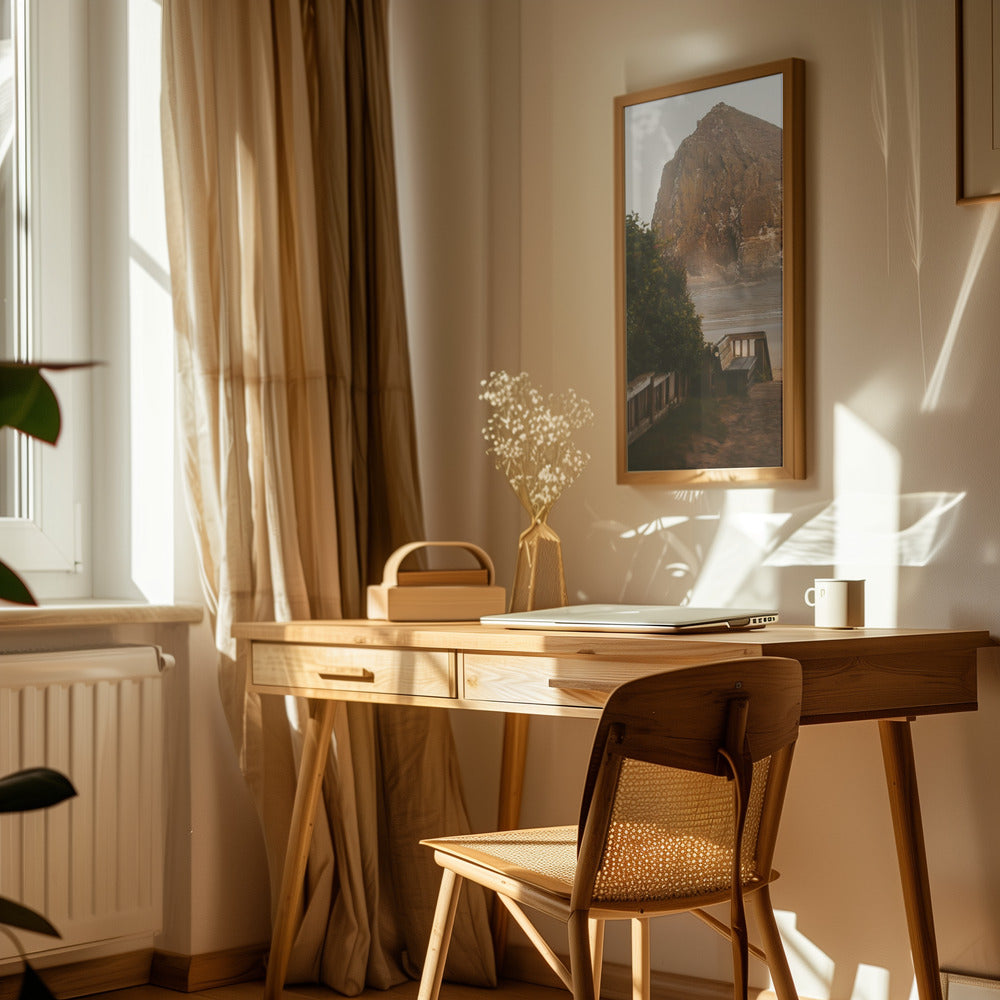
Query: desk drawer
{"points": [[580, 682], [427, 673]]}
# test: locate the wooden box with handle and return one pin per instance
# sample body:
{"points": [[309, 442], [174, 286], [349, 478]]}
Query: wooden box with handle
{"points": [[436, 595]]}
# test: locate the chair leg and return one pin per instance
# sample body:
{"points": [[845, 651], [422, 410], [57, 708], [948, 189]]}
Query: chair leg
{"points": [[580, 963], [437, 947], [741, 959], [777, 962], [597, 951], [640, 959]]}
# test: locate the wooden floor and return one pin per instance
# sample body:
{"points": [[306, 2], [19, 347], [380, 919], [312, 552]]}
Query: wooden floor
{"points": [[408, 991]]}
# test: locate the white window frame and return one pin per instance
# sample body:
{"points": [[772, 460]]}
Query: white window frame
{"points": [[49, 546]]}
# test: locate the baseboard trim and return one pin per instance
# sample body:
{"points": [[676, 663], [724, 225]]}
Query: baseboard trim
{"points": [[209, 970], [183, 973], [92, 975], [191, 973], [523, 963]]}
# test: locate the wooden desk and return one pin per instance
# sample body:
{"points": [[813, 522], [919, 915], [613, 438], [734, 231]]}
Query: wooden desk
{"points": [[889, 675]]}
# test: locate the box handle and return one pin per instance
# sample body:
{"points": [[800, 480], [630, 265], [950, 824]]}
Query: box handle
{"points": [[389, 575]]}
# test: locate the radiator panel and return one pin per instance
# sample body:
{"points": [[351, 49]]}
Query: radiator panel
{"points": [[93, 865]]}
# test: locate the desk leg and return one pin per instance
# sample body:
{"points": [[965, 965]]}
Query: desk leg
{"points": [[315, 746], [515, 745], [901, 780]]}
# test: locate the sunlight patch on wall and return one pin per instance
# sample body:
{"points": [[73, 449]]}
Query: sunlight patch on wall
{"points": [[150, 328], [867, 531], [719, 556], [871, 983], [866, 476], [811, 968], [925, 521], [987, 223], [653, 527], [747, 525]]}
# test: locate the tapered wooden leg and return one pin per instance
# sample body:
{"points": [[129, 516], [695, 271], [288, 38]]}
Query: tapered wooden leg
{"points": [[515, 746], [437, 947], [580, 964], [777, 961], [901, 779], [315, 747], [640, 959], [597, 952]]}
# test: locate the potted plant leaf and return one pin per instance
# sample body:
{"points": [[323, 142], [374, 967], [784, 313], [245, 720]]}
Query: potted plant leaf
{"points": [[28, 404], [32, 788]]}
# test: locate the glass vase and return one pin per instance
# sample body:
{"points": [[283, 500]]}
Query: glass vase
{"points": [[539, 581]]}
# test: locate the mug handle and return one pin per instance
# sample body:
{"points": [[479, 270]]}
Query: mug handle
{"points": [[811, 603]]}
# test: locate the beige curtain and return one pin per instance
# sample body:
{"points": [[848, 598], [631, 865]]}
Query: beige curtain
{"points": [[299, 456]]}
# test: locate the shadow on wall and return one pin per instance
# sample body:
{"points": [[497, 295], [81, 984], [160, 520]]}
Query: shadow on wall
{"points": [[673, 559], [726, 550]]}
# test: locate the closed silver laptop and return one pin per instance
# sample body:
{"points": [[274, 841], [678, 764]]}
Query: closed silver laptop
{"points": [[655, 618]]}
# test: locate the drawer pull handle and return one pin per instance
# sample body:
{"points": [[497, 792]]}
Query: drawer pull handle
{"points": [[579, 684], [348, 674]]}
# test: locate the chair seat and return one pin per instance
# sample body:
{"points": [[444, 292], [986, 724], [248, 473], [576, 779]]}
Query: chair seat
{"points": [[544, 857]]}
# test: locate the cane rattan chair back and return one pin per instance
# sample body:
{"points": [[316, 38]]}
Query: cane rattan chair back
{"points": [[680, 810]]}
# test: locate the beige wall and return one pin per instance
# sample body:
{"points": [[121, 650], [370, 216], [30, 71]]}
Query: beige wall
{"points": [[504, 114]]}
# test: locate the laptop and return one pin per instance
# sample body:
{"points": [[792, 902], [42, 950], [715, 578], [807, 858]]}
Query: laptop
{"points": [[653, 618]]}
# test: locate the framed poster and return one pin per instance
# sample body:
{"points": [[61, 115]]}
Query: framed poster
{"points": [[977, 40], [710, 279]]}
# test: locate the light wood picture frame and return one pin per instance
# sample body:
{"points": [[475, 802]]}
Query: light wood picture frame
{"points": [[709, 261], [977, 91]]}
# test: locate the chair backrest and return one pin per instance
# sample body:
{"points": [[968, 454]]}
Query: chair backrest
{"points": [[687, 774]]}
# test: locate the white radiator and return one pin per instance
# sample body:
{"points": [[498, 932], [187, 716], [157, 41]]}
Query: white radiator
{"points": [[92, 865]]}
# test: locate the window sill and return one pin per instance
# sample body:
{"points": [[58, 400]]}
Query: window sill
{"points": [[79, 614]]}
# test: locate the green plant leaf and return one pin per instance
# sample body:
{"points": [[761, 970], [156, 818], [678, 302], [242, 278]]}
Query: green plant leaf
{"points": [[12, 587], [27, 402], [32, 987], [34, 788], [15, 915]]}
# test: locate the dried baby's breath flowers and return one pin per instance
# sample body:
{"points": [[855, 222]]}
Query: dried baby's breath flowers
{"points": [[530, 438]]}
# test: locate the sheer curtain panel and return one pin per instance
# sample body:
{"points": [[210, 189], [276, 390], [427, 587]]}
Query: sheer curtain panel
{"points": [[298, 441]]}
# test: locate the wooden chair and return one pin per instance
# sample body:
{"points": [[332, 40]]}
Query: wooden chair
{"points": [[680, 810]]}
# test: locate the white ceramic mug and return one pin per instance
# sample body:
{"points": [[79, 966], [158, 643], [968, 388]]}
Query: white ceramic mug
{"points": [[838, 603]]}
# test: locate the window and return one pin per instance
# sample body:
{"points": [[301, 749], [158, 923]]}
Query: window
{"points": [[98, 519], [44, 283]]}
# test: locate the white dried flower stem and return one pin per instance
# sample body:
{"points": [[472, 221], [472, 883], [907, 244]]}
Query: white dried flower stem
{"points": [[530, 439]]}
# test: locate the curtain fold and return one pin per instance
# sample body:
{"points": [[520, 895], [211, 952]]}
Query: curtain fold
{"points": [[298, 435]]}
